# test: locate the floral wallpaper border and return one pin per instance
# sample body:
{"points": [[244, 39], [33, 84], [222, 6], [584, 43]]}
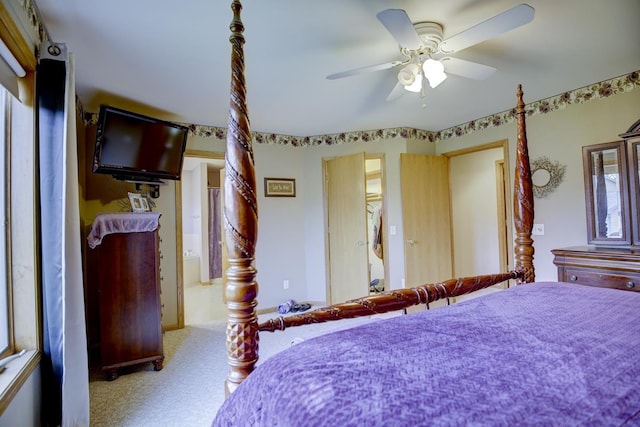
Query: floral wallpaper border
{"points": [[33, 18], [604, 89]]}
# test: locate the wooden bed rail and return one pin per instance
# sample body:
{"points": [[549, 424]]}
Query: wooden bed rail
{"points": [[389, 301]]}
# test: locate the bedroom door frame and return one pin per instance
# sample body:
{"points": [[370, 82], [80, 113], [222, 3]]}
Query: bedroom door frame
{"points": [[380, 157], [365, 237], [502, 188], [345, 227], [204, 155]]}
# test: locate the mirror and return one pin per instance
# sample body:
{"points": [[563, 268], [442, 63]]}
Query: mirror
{"points": [[373, 168], [633, 152], [606, 192]]}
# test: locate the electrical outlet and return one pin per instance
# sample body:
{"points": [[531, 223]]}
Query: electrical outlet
{"points": [[538, 230], [285, 284]]}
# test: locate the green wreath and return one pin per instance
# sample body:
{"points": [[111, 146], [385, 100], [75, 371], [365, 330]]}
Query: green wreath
{"points": [[556, 175]]}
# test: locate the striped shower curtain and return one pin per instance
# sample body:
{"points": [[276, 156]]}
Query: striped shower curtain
{"points": [[215, 250]]}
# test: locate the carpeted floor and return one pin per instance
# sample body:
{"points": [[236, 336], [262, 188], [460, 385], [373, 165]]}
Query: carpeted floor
{"points": [[188, 391]]}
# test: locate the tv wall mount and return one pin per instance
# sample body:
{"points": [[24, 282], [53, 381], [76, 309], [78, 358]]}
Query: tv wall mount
{"points": [[150, 185]]}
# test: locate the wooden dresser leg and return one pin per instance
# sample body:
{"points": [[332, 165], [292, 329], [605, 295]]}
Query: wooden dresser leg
{"points": [[111, 374], [157, 364]]}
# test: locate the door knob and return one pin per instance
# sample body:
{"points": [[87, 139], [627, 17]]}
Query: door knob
{"points": [[360, 243], [411, 242]]}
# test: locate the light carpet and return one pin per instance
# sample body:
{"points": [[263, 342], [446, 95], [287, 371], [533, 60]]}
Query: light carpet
{"points": [[188, 391]]}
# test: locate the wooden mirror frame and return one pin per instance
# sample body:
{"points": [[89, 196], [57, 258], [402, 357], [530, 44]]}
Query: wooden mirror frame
{"points": [[592, 194], [632, 137], [633, 152]]}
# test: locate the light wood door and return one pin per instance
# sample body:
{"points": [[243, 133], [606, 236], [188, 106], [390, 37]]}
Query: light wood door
{"points": [[347, 227], [426, 218]]}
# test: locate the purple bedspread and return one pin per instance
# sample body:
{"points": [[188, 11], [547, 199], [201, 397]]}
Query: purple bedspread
{"points": [[549, 354]]}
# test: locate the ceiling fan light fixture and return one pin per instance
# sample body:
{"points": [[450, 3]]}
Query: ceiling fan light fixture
{"points": [[407, 76], [416, 86], [436, 79], [434, 72]]}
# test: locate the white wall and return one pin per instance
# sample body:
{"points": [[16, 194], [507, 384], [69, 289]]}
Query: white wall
{"points": [[191, 235], [474, 207], [560, 136], [24, 409], [280, 253], [291, 241]]}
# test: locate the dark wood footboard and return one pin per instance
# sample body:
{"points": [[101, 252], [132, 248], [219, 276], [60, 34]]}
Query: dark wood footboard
{"points": [[389, 301]]}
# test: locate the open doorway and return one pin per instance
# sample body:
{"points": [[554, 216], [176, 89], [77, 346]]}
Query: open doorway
{"points": [[356, 242], [480, 215], [201, 205]]}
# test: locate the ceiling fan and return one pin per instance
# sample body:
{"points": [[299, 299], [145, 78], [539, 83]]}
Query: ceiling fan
{"points": [[427, 54]]}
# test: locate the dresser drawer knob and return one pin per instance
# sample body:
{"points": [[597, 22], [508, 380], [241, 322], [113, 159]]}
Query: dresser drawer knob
{"points": [[630, 285], [573, 278]]}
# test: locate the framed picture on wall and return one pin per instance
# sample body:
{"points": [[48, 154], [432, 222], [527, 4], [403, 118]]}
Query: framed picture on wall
{"points": [[279, 187]]}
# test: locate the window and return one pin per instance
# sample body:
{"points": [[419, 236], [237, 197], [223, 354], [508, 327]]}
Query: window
{"points": [[5, 260], [19, 286]]}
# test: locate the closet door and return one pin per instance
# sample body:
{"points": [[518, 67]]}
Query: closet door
{"points": [[426, 218], [347, 228]]}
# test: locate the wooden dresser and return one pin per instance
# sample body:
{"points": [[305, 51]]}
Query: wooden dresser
{"points": [[599, 266], [126, 275]]}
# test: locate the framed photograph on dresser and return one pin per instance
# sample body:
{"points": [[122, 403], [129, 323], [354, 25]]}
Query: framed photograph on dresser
{"points": [[138, 202]]}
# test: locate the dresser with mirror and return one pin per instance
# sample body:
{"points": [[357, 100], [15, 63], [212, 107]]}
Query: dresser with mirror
{"points": [[612, 196]]}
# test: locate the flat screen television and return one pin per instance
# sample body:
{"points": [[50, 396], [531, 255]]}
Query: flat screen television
{"points": [[134, 147]]}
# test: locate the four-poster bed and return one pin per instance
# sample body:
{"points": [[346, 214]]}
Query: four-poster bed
{"points": [[512, 357]]}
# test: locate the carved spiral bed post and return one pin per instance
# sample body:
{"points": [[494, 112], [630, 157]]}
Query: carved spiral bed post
{"points": [[523, 200], [240, 221]]}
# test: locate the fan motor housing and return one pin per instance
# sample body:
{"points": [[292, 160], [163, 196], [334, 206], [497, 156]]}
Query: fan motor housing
{"points": [[431, 34]]}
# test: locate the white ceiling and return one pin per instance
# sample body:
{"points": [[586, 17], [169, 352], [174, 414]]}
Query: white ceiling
{"points": [[172, 57]]}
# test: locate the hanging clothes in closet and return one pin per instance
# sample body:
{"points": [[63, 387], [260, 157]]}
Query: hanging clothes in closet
{"points": [[215, 250], [376, 240]]}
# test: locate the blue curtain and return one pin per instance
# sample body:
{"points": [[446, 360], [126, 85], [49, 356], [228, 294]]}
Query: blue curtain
{"points": [[64, 366]]}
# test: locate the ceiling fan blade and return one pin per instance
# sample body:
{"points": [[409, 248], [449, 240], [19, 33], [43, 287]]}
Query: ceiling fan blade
{"points": [[492, 27], [367, 69], [397, 22], [468, 69]]}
